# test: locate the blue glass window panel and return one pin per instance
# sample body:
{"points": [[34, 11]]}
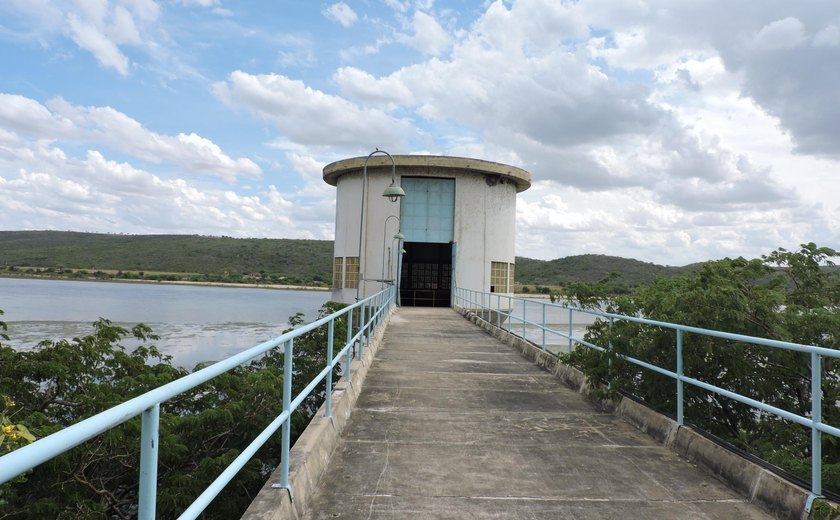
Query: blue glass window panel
{"points": [[427, 213]]}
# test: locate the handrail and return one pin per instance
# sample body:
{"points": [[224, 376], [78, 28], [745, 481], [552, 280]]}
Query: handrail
{"points": [[372, 311], [471, 300]]}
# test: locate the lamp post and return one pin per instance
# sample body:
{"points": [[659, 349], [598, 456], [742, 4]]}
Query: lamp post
{"points": [[400, 251], [385, 244], [393, 192]]}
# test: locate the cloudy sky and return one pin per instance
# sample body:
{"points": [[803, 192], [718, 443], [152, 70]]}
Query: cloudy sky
{"points": [[668, 131]]}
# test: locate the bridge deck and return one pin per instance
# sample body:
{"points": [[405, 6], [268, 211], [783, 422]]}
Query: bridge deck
{"points": [[451, 423]]}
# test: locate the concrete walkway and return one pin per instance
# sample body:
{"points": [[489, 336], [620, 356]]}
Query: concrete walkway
{"points": [[453, 424]]}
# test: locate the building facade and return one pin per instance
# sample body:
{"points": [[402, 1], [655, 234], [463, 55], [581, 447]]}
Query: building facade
{"points": [[455, 226]]}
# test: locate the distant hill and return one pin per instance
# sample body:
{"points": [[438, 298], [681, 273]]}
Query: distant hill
{"points": [[304, 260], [591, 268], [296, 261]]}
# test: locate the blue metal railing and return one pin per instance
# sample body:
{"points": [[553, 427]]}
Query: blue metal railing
{"points": [[371, 310], [504, 304]]}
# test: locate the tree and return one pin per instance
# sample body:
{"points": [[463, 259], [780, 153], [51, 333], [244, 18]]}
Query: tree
{"points": [[790, 296], [201, 431]]}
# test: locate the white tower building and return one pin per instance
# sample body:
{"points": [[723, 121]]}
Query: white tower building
{"points": [[455, 226]]}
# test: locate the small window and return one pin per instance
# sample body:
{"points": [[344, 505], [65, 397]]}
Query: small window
{"points": [[498, 276], [351, 275], [501, 277], [338, 272]]}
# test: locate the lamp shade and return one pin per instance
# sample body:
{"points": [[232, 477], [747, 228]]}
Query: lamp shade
{"points": [[399, 236], [393, 192]]}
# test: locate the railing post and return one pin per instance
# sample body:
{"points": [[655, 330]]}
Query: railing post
{"points": [[330, 339], [362, 330], [610, 357], [543, 325], [149, 436], [374, 312], [679, 378], [570, 330], [816, 417], [499, 310], [287, 424], [349, 339], [510, 315], [524, 323]]}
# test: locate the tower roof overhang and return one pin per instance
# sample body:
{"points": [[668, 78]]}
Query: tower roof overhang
{"points": [[429, 165]]}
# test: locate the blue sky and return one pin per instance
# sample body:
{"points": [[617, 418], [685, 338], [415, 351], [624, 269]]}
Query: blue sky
{"points": [[669, 131]]}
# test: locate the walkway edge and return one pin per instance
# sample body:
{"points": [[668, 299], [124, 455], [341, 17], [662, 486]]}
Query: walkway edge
{"points": [[761, 487], [311, 453]]}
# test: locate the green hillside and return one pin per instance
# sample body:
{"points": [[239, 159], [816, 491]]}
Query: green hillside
{"points": [[225, 259], [591, 268], [298, 261]]}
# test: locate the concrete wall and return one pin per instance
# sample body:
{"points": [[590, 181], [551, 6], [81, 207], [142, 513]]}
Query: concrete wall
{"points": [[485, 229]]}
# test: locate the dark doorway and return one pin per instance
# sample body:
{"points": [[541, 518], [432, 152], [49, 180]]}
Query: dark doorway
{"points": [[426, 279]]}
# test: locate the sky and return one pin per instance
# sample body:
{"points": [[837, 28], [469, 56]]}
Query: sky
{"points": [[671, 131]]}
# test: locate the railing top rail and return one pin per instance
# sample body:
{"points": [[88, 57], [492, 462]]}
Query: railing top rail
{"points": [[823, 351]]}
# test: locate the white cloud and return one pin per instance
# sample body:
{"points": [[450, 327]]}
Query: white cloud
{"points": [[828, 37], [397, 5], [781, 34], [560, 221], [101, 27], [30, 117], [54, 190], [360, 85], [63, 121], [91, 39], [766, 44], [194, 153], [147, 10], [429, 36], [201, 3], [341, 13], [308, 116]]}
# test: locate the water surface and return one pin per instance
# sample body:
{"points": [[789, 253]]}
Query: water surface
{"points": [[195, 323]]}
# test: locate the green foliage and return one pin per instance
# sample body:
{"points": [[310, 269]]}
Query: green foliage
{"points": [[201, 431], [3, 329], [785, 295], [821, 509], [12, 436]]}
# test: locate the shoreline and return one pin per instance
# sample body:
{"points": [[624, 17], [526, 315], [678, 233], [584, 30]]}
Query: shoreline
{"points": [[238, 285]]}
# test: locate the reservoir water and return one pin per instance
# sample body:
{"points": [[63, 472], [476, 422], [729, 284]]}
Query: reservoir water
{"points": [[195, 323]]}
